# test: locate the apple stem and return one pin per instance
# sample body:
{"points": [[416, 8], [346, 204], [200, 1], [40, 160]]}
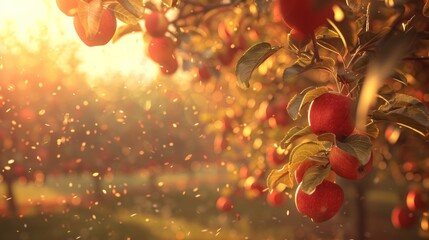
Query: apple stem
{"points": [[316, 56]]}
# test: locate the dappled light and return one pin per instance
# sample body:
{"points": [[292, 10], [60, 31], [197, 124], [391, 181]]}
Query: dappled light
{"points": [[237, 119]]}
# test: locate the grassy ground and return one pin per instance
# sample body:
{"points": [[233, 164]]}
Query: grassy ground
{"points": [[64, 208]]}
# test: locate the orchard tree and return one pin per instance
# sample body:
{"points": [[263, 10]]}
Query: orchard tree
{"points": [[33, 91], [345, 72]]}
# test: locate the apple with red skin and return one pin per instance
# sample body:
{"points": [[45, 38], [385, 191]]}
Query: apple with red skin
{"points": [[106, 30], [169, 66], [298, 38], [156, 24], [255, 189], [274, 159], [68, 7], [281, 115], [304, 166], [204, 73], [161, 50], [347, 166], [403, 217], [275, 198], [416, 200], [332, 113], [322, 204], [304, 15], [224, 204]]}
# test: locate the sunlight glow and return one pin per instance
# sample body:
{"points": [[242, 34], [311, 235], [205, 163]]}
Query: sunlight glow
{"points": [[127, 56]]}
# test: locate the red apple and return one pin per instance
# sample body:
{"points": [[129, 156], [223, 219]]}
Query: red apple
{"points": [[106, 29], [156, 24], [169, 66], [402, 217], [224, 204], [68, 7], [161, 49], [348, 166], [304, 166], [275, 198], [322, 204], [274, 158], [332, 113], [298, 38], [204, 73], [416, 200], [306, 15], [255, 190]]}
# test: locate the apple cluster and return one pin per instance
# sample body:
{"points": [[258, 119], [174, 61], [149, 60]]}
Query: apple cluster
{"points": [[330, 113], [407, 216], [161, 48], [295, 14], [106, 23]]}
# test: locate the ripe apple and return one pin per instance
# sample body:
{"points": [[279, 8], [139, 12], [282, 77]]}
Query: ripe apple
{"points": [[402, 217], [298, 38], [304, 166], [322, 204], [281, 115], [274, 158], [416, 200], [156, 24], [305, 15], [161, 49], [204, 73], [255, 189], [275, 198], [106, 30], [68, 7], [348, 166], [332, 113], [226, 55], [224, 204], [169, 66]]}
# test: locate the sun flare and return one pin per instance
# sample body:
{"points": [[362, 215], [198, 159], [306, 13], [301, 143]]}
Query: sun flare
{"points": [[125, 56]]}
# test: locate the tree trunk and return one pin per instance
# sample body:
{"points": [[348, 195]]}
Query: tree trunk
{"points": [[361, 211], [11, 200]]}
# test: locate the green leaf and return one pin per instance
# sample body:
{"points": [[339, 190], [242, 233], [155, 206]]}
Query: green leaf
{"points": [[334, 45], [302, 152], [306, 96], [372, 130], [293, 134], [357, 145], [135, 7], [125, 15], [291, 73], [252, 59], [280, 176], [413, 118], [325, 63], [313, 177], [400, 77], [124, 30], [400, 100], [171, 3], [327, 137]]}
